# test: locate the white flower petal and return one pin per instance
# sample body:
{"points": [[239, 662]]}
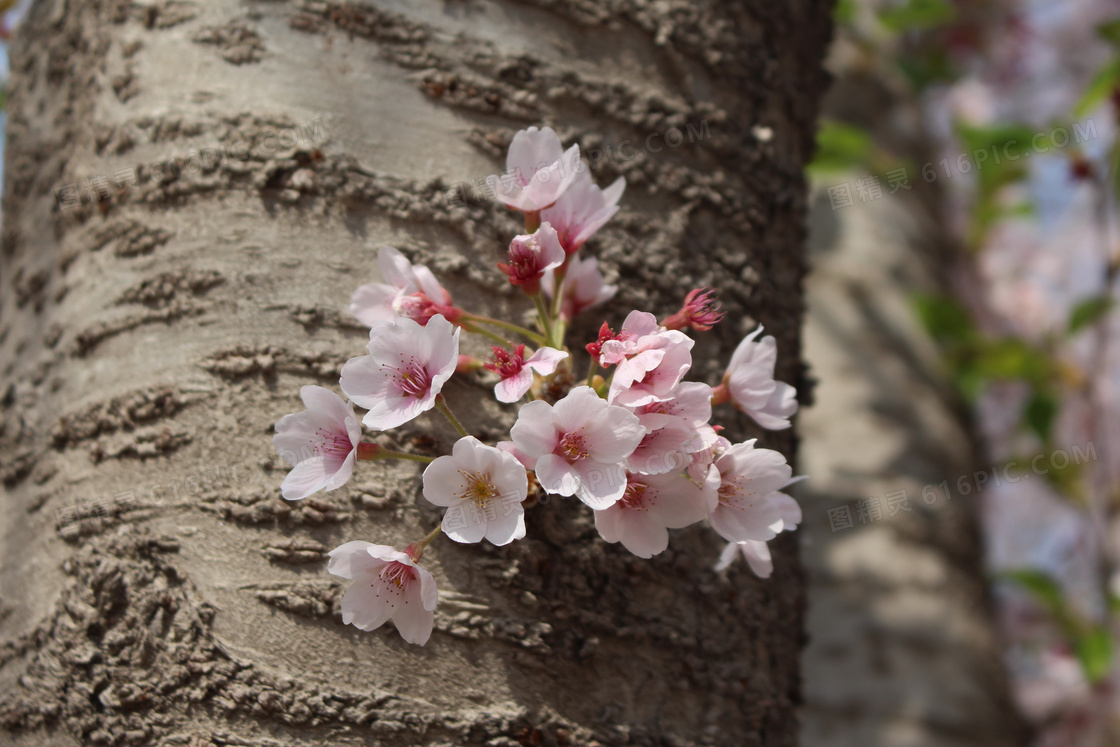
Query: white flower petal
{"points": [[514, 388]]}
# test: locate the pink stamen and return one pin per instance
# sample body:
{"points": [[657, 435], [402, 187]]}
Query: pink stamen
{"points": [[634, 496], [332, 443], [573, 447], [411, 379], [701, 311], [506, 363]]}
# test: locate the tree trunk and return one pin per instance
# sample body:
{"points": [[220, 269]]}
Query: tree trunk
{"points": [[156, 589]]}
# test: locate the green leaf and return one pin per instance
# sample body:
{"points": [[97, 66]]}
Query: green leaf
{"points": [[1089, 312], [844, 12], [1040, 412], [999, 153], [944, 318], [1010, 358], [840, 147], [926, 67], [1015, 137], [1110, 31], [1041, 586], [1095, 651], [1102, 85], [917, 14]]}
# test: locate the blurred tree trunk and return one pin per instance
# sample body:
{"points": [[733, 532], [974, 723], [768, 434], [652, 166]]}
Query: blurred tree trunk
{"points": [[192, 192]]}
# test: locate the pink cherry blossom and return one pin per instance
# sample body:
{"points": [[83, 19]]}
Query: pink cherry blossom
{"points": [[538, 171], [689, 402], [583, 209], [483, 489], [638, 324], [749, 502], [661, 361], [510, 447], [517, 372], [595, 349], [673, 429], [584, 286], [578, 445], [701, 311], [320, 443], [410, 291], [649, 507], [757, 552], [530, 256], [388, 585], [406, 368], [703, 459], [750, 382]]}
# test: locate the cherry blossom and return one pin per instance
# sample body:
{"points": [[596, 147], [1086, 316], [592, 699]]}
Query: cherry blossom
{"points": [[583, 209], [405, 370], [483, 489], [649, 507], [538, 171], [712, 446], [638, 324], [578, 446], [750, 384], [409, 290], [517, 372], [700, 310], [510, 447], [757, 552], [640, 451], [531, 255], [595, 349], [388, 585], [749, 500], [320, 443], [584, 286], [658, 365], [674, 428]]}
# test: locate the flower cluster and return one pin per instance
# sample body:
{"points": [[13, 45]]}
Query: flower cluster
{"points": [[634, 442]]}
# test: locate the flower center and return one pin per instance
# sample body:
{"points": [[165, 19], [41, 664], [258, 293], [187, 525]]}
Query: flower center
{"points": [[506, 363], [573, 446], [331, 443], [396, 575], [634, 496], [730, 491], [525, 260], [479, 488], [417, 307], [411, 379]]}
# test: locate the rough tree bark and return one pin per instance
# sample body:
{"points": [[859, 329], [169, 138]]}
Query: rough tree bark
{"points": [[156, 589]]}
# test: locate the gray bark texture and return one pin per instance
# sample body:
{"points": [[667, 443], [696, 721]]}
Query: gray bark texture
{"points": [[156, 590]]}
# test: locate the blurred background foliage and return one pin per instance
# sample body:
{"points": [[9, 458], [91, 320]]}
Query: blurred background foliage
{"points": [[1010, 111]]}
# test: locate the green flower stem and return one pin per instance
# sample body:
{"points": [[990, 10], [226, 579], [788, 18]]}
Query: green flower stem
{"points": [[373, 452], [486, 333], [535, 337], [532, 221], [416, 549], [441, 405], [545, 317]]}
